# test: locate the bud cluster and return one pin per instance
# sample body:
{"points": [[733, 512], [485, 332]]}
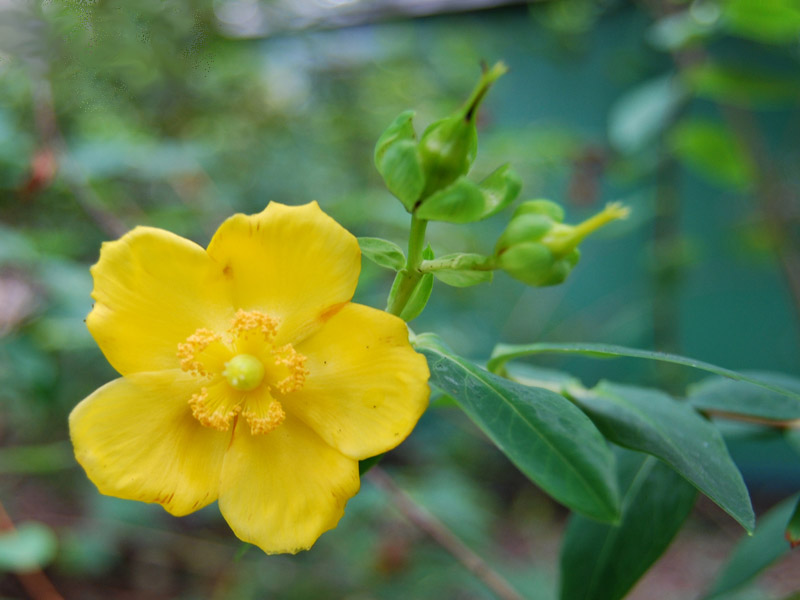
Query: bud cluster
{"points": [[429, 175], [537, 248]]}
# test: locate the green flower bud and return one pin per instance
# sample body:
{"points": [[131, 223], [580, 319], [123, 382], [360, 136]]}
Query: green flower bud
{"points": [[537, 249], [448, 146], [524, 228], [547, 208]]}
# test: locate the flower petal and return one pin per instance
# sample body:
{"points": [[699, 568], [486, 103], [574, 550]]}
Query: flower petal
{"points": [[292, 262], [282, 490], [366, 386], [136, 439], [153, 289]]}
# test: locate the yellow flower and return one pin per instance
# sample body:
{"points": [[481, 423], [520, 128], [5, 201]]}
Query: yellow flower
{"points": [[248, 376]]}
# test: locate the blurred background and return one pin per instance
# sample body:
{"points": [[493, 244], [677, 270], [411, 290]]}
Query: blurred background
{"points": [[178, 114]]}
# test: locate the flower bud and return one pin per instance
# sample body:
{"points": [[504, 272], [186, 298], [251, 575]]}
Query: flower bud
{"points": [[538, 249], [448, 146]]}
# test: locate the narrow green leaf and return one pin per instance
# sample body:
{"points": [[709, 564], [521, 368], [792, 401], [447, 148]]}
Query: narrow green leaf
{"points": [[382, 252], [505, 352], [601, 561], [421, 294], [31, 546], [460, 202], [755, 553], [460, 278], [793, 528], [651, 421], [541, 432], [723, 395]]}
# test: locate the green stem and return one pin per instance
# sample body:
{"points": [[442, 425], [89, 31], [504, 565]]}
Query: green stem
{"points": [[408, 278], [458, 263]]}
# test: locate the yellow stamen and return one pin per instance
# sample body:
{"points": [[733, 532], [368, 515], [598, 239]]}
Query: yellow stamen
{"points": [[189, 351], [251, 373], [213, 413], [267, 422], [295, 362], [247, 322]]}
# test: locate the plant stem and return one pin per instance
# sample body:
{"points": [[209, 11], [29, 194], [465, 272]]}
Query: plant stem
{"points": [[456, 262], [442, 535], [408, 278]]}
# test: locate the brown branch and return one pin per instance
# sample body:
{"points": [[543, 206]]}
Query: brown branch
{"points": [[35, 582], [439, 532], [776, 423]]}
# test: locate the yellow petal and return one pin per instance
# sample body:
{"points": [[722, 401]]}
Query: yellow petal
{"points": [[136, 439], [152, 290], [366, 387], [282, 490], [292, 262]]}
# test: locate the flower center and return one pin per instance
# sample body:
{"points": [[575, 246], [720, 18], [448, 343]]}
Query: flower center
{"points": [[244, 370]]}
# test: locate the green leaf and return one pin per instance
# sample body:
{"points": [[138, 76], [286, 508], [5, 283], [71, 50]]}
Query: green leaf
{"points": [[755, 553], [644, 112], [402, 172], [793, 528], [734, 85], [460, 202], [382, 252], [768, 21], [31, 546], [499, 189], [792, 436], [397, 160], [366, 464], [421, 294], [601, 561], [541, 432], [401, 128], [717, 394], [713, 151], [459, 278], [651, 421], [505, 352], [459, 269], [678, 30]]}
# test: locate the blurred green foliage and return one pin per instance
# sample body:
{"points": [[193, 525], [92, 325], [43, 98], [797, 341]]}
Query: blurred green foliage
{"points": [[178, 114]]}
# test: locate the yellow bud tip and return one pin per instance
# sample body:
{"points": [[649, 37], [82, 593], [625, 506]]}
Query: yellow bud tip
{"points": [[244, 372], [563, 239]]}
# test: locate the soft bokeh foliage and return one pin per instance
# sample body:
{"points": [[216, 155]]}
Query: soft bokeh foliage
{"points": [[179, 114]]}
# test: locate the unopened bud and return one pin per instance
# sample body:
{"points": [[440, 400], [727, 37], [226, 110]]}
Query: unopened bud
{"points": [[448, 146], [538, 249]]}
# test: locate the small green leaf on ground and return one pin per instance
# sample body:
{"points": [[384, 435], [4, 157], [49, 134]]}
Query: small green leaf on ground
{"points": [[31, 546]]}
